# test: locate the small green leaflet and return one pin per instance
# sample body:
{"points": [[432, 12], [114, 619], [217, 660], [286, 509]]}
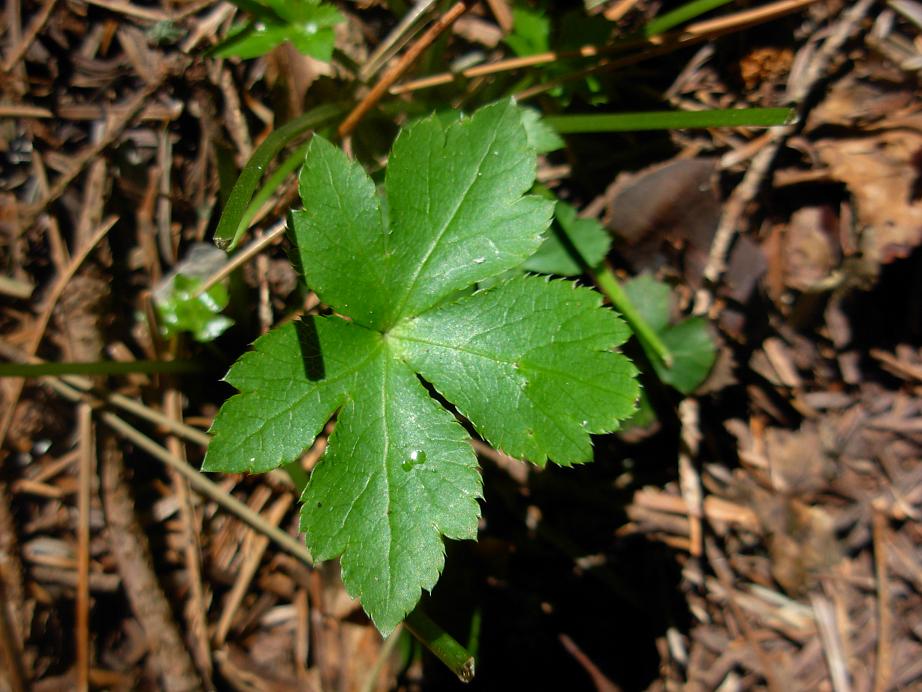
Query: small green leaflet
{"points": [[573, 245], [179, 311], [529, 362], [689, 341], [307, 24]]}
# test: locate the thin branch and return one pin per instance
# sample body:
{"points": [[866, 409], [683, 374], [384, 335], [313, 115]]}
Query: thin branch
{"points": [[762, 163], [883, 666], [655, 46], [392, 75], [35, 28], [85, 485], [241, 258], [113, 131], [205, 487]]}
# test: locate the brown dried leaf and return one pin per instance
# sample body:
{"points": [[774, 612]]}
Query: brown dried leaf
{"points": [[882, 173]]}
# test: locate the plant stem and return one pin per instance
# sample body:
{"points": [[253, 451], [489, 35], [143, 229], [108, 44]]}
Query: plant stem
{"points": [[605, 279], [103, 367], [442, 644]]}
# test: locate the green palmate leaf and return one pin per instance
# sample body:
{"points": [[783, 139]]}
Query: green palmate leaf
{"points": [[529, 362]]}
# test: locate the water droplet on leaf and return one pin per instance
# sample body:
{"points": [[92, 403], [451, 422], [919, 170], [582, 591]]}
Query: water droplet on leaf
{"points": [[417, 457], [480, 260]]}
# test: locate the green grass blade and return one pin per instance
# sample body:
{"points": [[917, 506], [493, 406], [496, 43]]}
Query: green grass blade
{"points": [[273, 182], [670, 120], [103, 367], [680, 15], [229, 232]]}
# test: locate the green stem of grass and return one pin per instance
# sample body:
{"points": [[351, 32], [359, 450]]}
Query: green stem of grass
{"points": [[230, 227], [607, 282], [273, 182], [680, 15], [147, 367], [670, 120]]}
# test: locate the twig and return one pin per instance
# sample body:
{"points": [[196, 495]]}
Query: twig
{"points": [[762, 163], [21, 110], [655, 46], [883, 666], [12, 599], [397, 37], [725, 577], [673, 41], [195, 607], [392, 75], [205, 487], [502, 14], [39, 330], [254, 555], [130, 10], [619, 9], [15, 288], [599, 680], [35, 28], [824, 614], [66, 386], [241, 258], [13, 673], [87, 457], [131, 549], [689, 481]]}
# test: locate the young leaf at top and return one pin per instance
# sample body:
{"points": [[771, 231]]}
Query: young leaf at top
{"points": [[529, 362], [179, 311], [307, 24]]}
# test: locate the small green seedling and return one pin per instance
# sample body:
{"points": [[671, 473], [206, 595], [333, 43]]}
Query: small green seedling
{"points": [[530, 362], [306, 24], [688, 340]]}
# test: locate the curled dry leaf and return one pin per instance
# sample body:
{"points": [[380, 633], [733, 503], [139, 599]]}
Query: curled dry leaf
{"points": [[882, 173], [676, 206]]}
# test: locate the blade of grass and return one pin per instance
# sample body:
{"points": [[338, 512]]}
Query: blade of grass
{"points": [[229, 231], [99, 368], [680, 15], [273, 182], [670, 120]]}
